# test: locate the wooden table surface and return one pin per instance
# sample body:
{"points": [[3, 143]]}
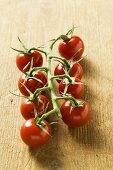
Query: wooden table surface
{"points": [[36, 21]]}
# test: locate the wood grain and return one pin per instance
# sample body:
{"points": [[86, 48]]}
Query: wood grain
{"points": [[36, 21]]}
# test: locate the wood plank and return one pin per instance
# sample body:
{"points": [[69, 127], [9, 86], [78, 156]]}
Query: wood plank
{"points": [[87, 148]]}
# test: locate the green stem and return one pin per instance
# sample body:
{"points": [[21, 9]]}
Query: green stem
{"points": [[63, 37], [53, 96], [69, 98], [62, 76], [71, 31], [37, 49], [51, 47], [30, 93], [62, 59], [43, 89], [24, 47], [44, 116], [38, 69], [20, 51], [38, 91]]}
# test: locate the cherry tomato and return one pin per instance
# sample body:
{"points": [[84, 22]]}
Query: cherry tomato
{"points": [[59, 70], [32, 135], [69, 48], [75, 70], [27, 106], [77, 117], [76, 90], [23, 59], [31, 83]]}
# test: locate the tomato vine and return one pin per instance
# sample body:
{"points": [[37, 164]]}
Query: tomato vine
{"points": [[37, 78]]}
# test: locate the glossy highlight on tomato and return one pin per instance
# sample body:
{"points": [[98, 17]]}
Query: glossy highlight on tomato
{"points": [[27, 106], [23, 59], [76, 90], [34, 136], [69, 48], [32, 84], [76, 117]]}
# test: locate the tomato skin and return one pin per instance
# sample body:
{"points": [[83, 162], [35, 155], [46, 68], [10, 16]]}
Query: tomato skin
{"points": [[76, 90], [32, 135], [59, 70], [31, 84], [76, 69], [68, 48], [23, 59], [27, 106], [77, 117]]}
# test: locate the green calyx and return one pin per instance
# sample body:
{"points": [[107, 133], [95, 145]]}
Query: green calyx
{"points": [[64, 37], [75, 102], [61, 60], [27, 51], [67, 64]]}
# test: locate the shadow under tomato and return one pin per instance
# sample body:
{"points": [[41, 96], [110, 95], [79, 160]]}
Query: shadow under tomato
{"points": [[90, 70], [91, 134], [48, 155]]}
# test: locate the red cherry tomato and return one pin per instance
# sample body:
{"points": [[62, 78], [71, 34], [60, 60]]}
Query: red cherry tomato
{"points": [[75, 70], [77, 117], [59, 70], [23, 59], [76, 90], [27, 106], [32, 135], [31, 83], [69, 48]]}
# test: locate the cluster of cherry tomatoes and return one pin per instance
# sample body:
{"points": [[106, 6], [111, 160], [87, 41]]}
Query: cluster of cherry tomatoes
{"points": [[34, 79], [28, 83], [72, 51]]}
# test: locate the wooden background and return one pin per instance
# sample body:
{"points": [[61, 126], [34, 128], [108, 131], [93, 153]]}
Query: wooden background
{"points": [[36, 21]]}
